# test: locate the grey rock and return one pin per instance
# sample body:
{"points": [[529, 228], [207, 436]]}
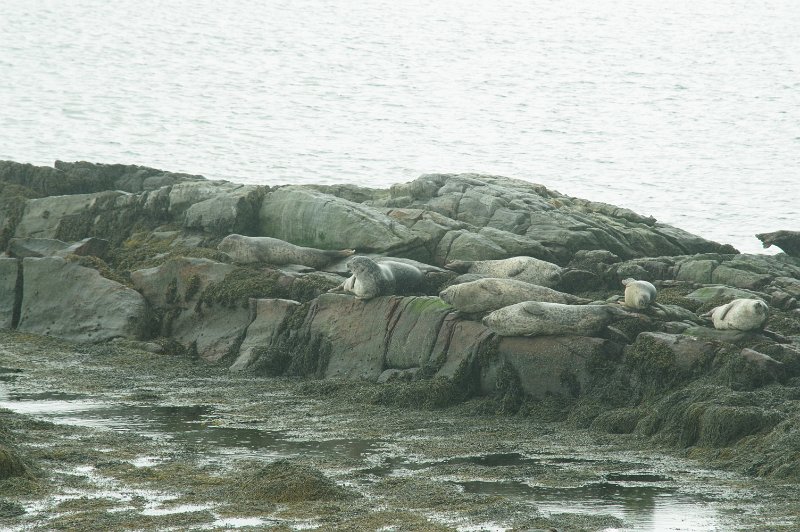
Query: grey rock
{"points": [[459, 342], [762, 361], [549, 364], [179, 281], [88, 247], [75, 303], [269, 314], [35, 247], [688, 350], [788, 241], [214, 331], [465, 245], [788, 285], [596, 261], [309, 218], [43, 217], [397, 375], [229, 209], [707, 293], [739, 278], [10, 291], [730, 336], [696, 271]]}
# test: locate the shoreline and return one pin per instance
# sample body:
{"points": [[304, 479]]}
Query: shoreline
{"points": [[127, 260]]}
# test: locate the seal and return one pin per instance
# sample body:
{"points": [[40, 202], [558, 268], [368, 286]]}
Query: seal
{"points": [[740, 314], [528, 269], [493, 293], [638, 294], [533, 318], [249, 249], [371, 279]]}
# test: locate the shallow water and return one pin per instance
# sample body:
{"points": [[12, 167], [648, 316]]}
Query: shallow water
{"points": [[682, 110], [643, 498]]}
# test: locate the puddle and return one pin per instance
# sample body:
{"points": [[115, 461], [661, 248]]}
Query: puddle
{"points": [[9, 374], [650, 503], [191, 425]]}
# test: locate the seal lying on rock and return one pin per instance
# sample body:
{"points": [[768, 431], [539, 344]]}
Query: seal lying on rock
{"points": [[528, 269], [247, 249], [740, 314], [638, 294], [533, 318], [371, 279], [493, 293]]}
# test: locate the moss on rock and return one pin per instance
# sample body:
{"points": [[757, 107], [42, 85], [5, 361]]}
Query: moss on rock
{"points": [[101, 266], [285, 481], [12, 465], [244, 283]]}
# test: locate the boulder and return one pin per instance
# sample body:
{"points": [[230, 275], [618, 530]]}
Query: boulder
{"points": [[127, 177], [718, 292], [213, 330], [465, 245], [366, 336], [180, 280], [548, 365], [727, 275], [306, 217], [227, 208], [788, 241], [560, 224], [459, 343], [112, 215], [684, 352], [35, 247], [696, 271], [362, 339], [76, 303], [268, 315], [43, 217], [10, 292], [88, 247]]}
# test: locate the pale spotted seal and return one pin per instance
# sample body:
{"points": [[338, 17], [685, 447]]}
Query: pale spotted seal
{"points": [[371, 279], [492, 293], [528, 269], [247, 249], [638, 294], [740, 314], [533, 318]]}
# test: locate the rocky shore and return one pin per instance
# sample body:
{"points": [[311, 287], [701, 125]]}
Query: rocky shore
{"points": [[116, 254]]}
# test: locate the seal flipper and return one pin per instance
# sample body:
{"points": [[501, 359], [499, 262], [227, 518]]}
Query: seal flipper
{"points": [[533, 308], [492, 288], [724, 312]]}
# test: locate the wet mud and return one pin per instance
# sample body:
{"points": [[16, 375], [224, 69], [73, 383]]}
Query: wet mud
{"points": [[116, 438]]}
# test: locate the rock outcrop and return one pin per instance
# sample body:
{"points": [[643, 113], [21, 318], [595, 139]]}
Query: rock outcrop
{"points": [[64, 299], [788, 241], [96, 252]]}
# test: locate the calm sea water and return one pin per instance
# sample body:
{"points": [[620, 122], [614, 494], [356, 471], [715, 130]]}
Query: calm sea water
{"points": [[684, 110]]}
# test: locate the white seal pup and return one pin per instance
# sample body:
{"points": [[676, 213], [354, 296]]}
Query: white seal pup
{"points": [[533, 318], [638, 294], [528, 269], [740, 314], [371, 279], [248, 249], [493, 293]]}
